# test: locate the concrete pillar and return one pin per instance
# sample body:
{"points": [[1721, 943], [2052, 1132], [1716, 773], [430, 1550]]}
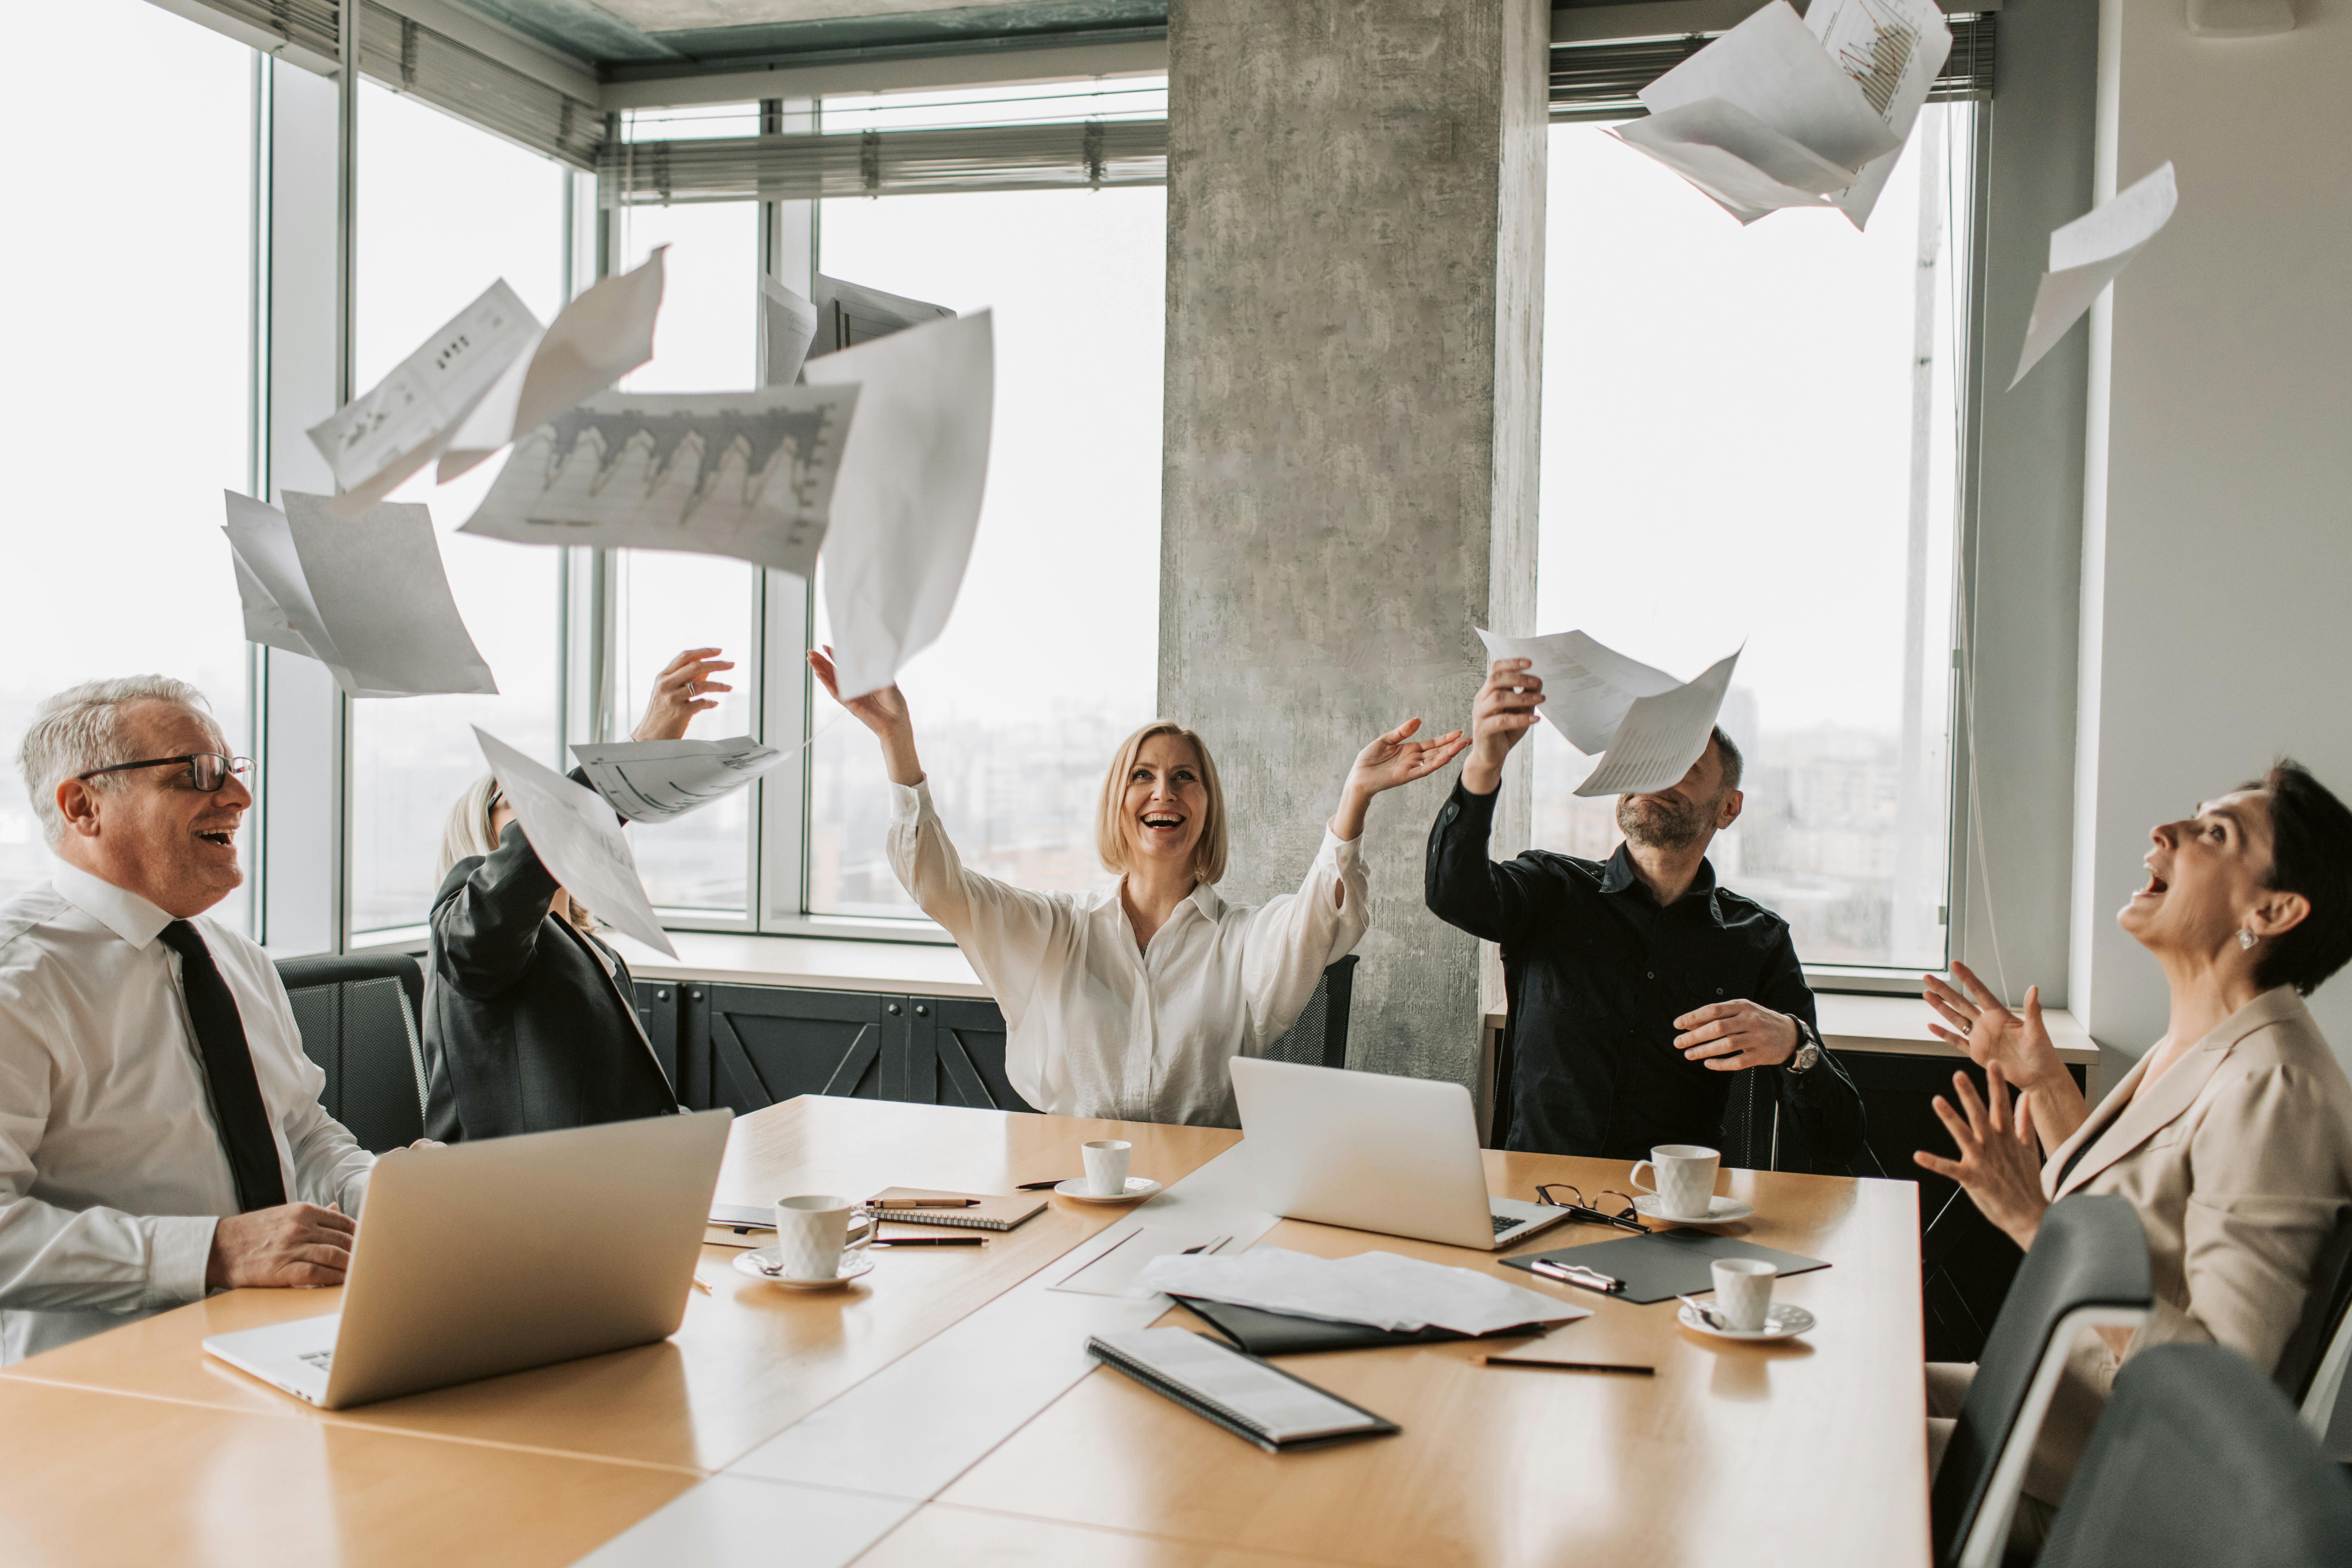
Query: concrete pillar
{"points": [[1355, 261]]}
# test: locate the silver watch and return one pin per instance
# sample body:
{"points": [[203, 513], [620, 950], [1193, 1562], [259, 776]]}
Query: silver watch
{"points": [[1809, 1048]]}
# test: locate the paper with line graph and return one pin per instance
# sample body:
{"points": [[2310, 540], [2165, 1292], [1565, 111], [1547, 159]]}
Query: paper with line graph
{"points": [[1647, 727], [2089, 253], [576, 836], [745, 474], [1780, 113], [660, 780]]}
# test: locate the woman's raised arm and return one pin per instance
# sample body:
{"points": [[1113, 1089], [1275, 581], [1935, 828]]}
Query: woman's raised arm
{"points": [[885, 714], [1392, 760]]}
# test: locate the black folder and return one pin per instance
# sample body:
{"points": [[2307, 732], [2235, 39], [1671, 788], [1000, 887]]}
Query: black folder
{"points": [[1259, 1332], [1664, 1264]]}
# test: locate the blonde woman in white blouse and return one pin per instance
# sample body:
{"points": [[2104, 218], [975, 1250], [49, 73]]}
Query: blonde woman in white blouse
{"points": [[1129, 1003]]}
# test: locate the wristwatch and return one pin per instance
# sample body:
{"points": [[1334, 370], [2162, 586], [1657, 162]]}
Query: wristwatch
{"points": [[1808, 1047]]}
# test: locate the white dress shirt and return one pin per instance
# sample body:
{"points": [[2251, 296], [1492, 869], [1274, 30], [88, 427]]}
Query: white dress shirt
{"points": [[112, 1170], [1097, 1027]]}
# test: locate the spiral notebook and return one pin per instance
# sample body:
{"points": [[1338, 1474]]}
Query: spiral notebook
{"points": [[990, 1213], [1246, 1397]]}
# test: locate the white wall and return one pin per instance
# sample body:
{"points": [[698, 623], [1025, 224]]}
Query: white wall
{"points": [[2217, 550]]}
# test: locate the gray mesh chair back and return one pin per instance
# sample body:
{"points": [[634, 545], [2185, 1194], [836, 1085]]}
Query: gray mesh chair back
{"points": [[358, 1018], [2088, 1269], [2311, 1368], [1319, 1037], [2197, 1460]]}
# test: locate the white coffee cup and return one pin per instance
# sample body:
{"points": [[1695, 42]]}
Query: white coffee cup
{"points": [[1743, 1292], [1106, 1166], [1683, 1177], [812, 1232]]}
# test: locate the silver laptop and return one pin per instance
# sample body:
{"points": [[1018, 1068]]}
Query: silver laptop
{"points": [[1398, 1155], [490, 1258]]}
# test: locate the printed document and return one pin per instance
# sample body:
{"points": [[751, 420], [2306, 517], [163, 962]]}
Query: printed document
{"points": [[1647, 727], [1379, 1289], [368, 598], [851, 313], [578, 839], [747, 474], [1892, 49], [787, 326], [2089, 253], [658, 781], [907, 503]]}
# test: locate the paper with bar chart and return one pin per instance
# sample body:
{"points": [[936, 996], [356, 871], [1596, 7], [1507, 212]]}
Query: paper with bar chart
{"points": [[745, 474], [2089, 253], [1647, 727], [1783, 112]]}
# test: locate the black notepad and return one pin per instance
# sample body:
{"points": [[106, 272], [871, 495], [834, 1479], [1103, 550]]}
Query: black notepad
{"points": [[1260, 1332], [1665, 1263], [1248, 1397]]}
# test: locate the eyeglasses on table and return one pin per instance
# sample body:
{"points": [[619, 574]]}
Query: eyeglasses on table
{"points": [[1597, 1211]]}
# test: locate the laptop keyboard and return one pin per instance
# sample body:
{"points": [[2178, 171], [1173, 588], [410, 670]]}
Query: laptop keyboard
{"points": [[320, 1359], [1503, 1221]]}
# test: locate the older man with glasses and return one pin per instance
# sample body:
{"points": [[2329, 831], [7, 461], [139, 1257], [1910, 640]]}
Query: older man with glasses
{"points": [[161, 1133]]}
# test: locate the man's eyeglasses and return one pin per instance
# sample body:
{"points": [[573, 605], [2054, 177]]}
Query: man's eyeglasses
{"points": [[1599, 1211], [207, 771]]}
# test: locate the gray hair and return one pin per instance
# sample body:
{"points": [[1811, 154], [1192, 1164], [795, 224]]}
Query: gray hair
{"points": [[80, 728]]}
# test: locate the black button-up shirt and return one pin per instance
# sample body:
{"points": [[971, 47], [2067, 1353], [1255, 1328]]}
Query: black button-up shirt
{"points": [[1597, 972]]}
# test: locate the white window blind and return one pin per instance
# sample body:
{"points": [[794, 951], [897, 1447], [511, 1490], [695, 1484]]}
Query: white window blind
{"points": [[1599, 80]]}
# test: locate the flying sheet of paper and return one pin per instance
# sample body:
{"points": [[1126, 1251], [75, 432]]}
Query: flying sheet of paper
{"points": [[788, 325], [578, 839], [1777, 70], [1747, 166], [375, 441], [851, 313], [748, 474], [1640, 721], [1892, 49], [656, 781], [593, 342], [908, 501], [2089, 253], [368, 598]]}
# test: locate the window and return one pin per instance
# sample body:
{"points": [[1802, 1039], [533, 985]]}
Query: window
{"points": [[1749, 436], [444, 209], [1051, 656], [115, 543]]}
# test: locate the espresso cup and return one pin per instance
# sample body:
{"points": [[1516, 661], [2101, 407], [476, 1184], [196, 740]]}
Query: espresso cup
{"points": [[1743, 1292], [1683, 1177], [1106, 1166], [812, 1232]]}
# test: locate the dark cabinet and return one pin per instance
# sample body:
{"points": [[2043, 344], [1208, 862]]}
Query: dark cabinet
{"points": [[1966, 1264], [749, 1046], [657, 1012]]}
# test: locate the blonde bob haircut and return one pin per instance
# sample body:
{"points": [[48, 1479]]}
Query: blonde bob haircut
{"points": [[1111, 828], [467, 834]]}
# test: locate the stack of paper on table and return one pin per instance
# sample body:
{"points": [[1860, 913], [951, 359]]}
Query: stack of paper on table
{"points": [[578, 839], [1382, 1290], [1647, 727], [367, 598], [488, 374], [1783, 112]]}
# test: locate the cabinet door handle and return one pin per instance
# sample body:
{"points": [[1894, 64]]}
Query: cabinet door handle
{"points": [[921, 1011], [894, 1009]]}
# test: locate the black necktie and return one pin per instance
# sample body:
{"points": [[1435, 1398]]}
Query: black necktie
{"points": [[243, 1120]]}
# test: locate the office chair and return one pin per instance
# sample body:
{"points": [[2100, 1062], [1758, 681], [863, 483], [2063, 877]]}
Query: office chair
{"points": [[2088, 1269], [2197, 1461], [2311, 1367], [358, 1016], [1319, 1037]]}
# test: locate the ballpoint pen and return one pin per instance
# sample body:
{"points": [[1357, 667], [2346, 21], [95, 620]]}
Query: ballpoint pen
{"points": [[931, 1241], [1576, 1274]]}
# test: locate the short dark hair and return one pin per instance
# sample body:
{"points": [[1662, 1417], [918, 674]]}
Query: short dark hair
{"points": [[2311, 854], [1734, 764]]}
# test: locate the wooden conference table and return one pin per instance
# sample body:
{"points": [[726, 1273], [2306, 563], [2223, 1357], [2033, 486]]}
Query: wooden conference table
{"points": [[941, 1410]]}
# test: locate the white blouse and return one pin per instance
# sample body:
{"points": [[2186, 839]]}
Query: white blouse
{"points": [[1097, 1025]]}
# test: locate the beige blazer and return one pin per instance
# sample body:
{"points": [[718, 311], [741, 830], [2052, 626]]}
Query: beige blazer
{"points": [[2239, 1160]]}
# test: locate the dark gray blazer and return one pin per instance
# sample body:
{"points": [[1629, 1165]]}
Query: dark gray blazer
{"points": [[525, 1029]]}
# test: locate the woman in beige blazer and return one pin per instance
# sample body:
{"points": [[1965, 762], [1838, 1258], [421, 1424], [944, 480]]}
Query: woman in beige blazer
{"points": [[2233, 1136]]}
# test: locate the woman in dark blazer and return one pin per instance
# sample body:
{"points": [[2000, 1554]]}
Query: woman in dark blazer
{"points": [[531, 1020]]}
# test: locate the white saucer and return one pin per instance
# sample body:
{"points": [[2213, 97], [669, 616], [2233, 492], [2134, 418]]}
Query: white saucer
{"points": [[1721, 1210], [1136, 1187], [1781, 1322], [853, 1265]]}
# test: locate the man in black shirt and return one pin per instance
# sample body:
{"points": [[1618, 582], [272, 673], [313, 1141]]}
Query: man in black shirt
{"points": [[1638, 988]]}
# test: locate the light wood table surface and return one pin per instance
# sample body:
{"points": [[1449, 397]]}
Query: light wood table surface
{"points": [[1811, 1452], [751, 1357], [89, 1478]]}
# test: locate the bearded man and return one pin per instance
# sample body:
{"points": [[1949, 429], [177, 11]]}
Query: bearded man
{"points": [[1639, 989]]}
